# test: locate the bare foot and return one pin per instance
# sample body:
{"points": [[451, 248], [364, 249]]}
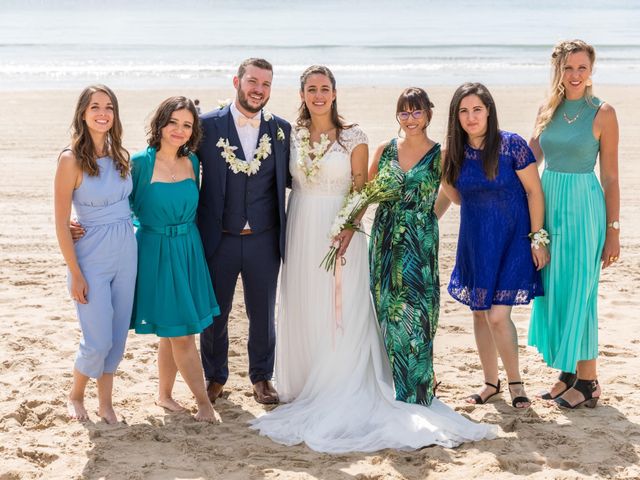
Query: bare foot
{"points": [[170, 404], [108, 415], [76, 410], [206, 413]]}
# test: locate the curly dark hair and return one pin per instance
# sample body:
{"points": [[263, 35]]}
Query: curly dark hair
{"points": [[161, 119]]}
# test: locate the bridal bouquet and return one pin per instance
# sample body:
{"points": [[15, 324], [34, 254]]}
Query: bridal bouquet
{"points": [[380, 189]]}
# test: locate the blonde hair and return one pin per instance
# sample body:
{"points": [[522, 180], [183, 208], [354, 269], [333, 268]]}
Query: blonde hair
{"points": [[559, 57]]}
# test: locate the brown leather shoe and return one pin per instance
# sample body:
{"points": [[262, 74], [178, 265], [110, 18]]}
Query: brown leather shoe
{"points": [[264, 393], [214, 391]]}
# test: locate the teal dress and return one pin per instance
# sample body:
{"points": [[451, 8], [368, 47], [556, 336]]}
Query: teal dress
{"points": [[564, 322], [174, 296], [405, 285]]}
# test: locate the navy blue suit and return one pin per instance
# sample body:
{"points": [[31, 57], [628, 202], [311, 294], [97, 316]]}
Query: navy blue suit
{"points": [[227, 201]]}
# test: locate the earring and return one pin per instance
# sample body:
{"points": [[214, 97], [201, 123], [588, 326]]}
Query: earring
{"points": [[589, 82]]}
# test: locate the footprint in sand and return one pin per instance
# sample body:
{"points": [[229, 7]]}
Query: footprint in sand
{"points": [[39, 457]]}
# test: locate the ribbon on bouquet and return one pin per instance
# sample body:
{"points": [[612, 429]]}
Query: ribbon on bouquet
{"points": [[337, 325]]}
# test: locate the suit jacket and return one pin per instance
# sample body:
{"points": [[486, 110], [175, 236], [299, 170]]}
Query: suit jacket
{"points": [[217, 124]]}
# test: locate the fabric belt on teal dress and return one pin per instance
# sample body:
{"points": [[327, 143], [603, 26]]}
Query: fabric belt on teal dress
{"points": [[169, 230]]}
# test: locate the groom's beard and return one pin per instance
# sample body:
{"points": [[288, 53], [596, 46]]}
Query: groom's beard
{"points": [[242, 100]]}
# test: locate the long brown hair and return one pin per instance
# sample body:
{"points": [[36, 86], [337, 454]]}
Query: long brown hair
{"points": [[161, 119], [304, 116], [559, 58], [457, 137], [82, 144]]}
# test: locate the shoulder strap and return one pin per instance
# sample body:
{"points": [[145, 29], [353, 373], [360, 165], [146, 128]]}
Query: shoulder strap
{"points": [[387, 152], [195, 163], [65, 149]]}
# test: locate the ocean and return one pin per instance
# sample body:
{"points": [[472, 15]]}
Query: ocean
{"points": [[49, 44]]}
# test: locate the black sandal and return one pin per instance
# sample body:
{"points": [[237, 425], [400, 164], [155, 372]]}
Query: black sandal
{"points": [[478, 399], [565, 377], [586, 388], [435, 389], [521, 399]]}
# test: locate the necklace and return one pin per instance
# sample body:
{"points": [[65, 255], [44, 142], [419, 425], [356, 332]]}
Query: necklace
{"points": [[165, 164], [571, 120]]}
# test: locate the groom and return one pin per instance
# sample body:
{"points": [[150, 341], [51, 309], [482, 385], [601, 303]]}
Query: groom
{"points": [[241, 217]]}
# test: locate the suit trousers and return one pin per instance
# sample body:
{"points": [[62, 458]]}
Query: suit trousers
{"points": [[256, 258]]}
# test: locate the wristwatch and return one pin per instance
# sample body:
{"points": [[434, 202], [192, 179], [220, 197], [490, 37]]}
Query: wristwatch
{"points": [[615, 225]]}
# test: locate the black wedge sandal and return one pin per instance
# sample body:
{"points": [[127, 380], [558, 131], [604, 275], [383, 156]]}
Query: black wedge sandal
{"points": [[586, 388], [521, 399], [565, 377], [478, 399]]}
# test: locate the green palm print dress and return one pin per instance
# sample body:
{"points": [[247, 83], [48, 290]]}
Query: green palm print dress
{"points": [[405, 284]]}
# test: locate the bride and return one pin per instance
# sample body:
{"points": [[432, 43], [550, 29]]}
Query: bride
{"points": [[330, 362]]}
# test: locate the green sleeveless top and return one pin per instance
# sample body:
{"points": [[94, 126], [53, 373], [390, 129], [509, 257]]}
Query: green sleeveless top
{"points": [[567, 141]]}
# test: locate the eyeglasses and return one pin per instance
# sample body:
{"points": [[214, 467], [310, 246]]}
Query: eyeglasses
{"points": [[404, 116]]}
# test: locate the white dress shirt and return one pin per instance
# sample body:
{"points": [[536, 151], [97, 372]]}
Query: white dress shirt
{"points": [[248, 134], [248, 138]]}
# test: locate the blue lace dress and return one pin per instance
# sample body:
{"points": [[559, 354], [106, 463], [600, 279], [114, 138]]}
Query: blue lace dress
{"points": [[493, 260]]}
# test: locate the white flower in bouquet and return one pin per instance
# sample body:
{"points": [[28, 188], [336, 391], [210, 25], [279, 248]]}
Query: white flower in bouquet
{"points": [[380, 189]]}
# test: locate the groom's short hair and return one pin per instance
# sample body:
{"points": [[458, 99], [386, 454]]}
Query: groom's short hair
{"points": [[255, 62]]}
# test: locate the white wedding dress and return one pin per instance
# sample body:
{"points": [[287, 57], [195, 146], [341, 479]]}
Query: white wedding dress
{"points": [[337, 378]]}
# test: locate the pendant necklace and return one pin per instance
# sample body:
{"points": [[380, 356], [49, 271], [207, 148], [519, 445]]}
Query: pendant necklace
{"points": [[571, 120], [171, 172]]}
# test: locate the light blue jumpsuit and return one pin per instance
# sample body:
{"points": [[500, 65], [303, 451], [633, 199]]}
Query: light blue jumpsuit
{"points": [[107, 255]]}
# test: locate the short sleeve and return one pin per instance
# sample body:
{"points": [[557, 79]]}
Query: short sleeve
{"points": [[353, 137], [520, 152]]}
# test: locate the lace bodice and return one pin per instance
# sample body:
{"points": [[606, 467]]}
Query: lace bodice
{"points": [[334, 174]]}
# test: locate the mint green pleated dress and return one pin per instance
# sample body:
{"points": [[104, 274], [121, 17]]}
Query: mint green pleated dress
{"points": [[564, 322], [174, 296]]}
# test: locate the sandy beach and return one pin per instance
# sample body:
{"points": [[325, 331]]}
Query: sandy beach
{"points": [[39, 335]]}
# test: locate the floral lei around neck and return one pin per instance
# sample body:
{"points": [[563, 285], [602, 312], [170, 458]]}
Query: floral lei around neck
{"points": [[307, 165], [236, 165], [263, 151]]}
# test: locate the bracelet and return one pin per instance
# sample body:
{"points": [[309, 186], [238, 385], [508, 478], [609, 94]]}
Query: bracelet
{"points": [[539, 238]]}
